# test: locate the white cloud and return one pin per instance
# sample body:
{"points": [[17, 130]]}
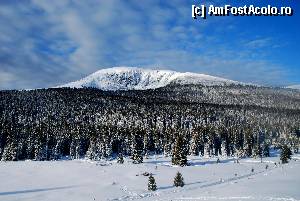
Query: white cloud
{"points": [[58, 41], [6, 77], [259, 43]]}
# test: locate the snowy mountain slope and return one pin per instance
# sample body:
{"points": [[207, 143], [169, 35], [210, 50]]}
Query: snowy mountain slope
{"points": [[132, 78], [294, 87]]}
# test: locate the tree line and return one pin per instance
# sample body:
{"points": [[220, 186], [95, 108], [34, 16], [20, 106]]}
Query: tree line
{"points": [[49, 124]]}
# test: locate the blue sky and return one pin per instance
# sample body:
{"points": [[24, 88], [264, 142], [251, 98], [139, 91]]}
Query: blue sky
{"points": [[45, 43]]}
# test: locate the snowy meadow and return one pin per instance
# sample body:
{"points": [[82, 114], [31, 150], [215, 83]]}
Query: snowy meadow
{"points": [[205, 179]]}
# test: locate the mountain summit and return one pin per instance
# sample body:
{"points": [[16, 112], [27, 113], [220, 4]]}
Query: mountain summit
{"points": [[294, 87], [132, 78]]}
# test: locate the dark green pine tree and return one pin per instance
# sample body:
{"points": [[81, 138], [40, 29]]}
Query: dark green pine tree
{"points": [[266, 150], [137, 155], [178, 180], [151, 184], [285, 154], [120, 158], [179, 155]]}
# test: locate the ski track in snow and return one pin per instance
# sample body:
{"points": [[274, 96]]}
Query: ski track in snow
{"points": [[236, 198], [213, 185], [135, 196]]}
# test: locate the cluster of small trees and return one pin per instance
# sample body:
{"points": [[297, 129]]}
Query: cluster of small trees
{"points": [[178, 182], [49, 124]]}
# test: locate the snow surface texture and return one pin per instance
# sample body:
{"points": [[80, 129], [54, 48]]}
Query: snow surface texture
{"points": [[79, 180], [132, 78]]}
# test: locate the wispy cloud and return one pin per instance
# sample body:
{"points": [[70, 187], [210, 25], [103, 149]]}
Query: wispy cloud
{"points": [[259, 43], [46, 43]]}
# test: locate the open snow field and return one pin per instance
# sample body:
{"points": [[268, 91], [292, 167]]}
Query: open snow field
{"points": [[106, 180]]}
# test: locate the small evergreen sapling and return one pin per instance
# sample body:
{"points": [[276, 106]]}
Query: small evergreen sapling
{"points": [[285, 154], [178, 180], [151, 183], [120, 159]]}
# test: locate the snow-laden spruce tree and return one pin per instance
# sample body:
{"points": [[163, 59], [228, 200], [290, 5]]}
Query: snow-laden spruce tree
{"points": [[179, 155], [38, 151], [194, 144], [57, 149], [137, 153], [151, 183], [257, 151], [167, 149], [90, 154], [207, 151], [10, 152], [224, 149], [178, 180], [285, 154]]}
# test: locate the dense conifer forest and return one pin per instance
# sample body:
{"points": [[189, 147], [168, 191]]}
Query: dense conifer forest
{"points": [[240, 121]]}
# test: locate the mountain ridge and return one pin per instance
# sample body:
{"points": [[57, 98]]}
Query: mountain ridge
{"points": [[134, 78], [294, 87]]}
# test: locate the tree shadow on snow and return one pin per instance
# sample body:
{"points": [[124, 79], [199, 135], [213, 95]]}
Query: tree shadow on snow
{"points": [[157, 162], [197, 162], [35, 190], [168, 187], [192, 162]]}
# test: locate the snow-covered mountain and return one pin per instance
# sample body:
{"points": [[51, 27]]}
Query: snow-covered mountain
{"points": [[294, 87], [132, 78]]}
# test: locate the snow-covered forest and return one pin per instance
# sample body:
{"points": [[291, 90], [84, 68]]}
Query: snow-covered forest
{"points": [[239, 121]]}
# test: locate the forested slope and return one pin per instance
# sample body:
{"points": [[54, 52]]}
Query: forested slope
{"points": [[237, 121]]}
